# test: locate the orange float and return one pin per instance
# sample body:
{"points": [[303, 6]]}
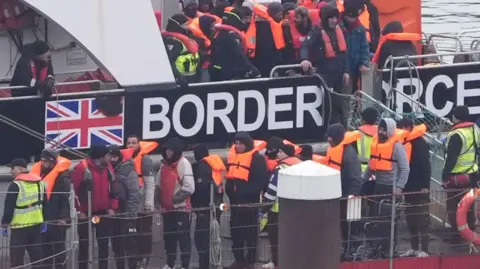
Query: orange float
{"points": [[462, 222]]}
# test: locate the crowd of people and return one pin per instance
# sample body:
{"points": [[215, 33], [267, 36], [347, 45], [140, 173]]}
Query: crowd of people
{"points": [[382, 157]]}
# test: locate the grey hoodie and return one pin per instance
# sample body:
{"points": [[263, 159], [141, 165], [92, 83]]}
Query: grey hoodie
{"points": [[400, 168], [128, 188]]}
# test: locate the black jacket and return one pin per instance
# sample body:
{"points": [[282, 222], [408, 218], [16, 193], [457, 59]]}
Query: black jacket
{"points": [[420, 168], [351, 172], [374, 25], [202, 173], [267, 55], [395, 48], [59, 203]]}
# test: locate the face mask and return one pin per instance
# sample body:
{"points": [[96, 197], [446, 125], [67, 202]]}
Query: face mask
{"points": [[382, 137]]}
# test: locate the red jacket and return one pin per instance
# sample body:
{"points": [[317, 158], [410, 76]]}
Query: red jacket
{"points": [[102, 199]]}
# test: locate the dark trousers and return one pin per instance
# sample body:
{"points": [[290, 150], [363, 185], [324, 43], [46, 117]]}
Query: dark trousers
{"points": [[340, 105], [176, 230], [124, 243], [244, 232], [418, 219], [144, 234], [103, 233], [202, 239], [54, 247], [26, 239], [272, 229], [384, 213]]}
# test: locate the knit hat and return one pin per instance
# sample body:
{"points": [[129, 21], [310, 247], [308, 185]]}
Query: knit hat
{"points": [[97, 152], [405, 123], [200, 151], [288, 149], [353, 5], [18, 162], [336, 132], [244, 138], [461, 113], [274, 143], [274, 8], [306, 153], [49, 154], [40, 47]]}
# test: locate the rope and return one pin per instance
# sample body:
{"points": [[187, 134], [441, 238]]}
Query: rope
{"points": [[44, 259], [215, 244]]}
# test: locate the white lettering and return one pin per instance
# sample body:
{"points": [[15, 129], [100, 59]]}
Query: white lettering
{"points": [[312, 108], [462, 93], [149, 117], [221, 114], [242, 97], [200, 115], [273, 108], [415, 89], [441, 79]]}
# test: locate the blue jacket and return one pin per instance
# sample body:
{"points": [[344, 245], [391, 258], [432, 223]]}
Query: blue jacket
{"points": [[358, 48]]}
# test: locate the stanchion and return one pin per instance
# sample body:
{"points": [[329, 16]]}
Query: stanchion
{"points": [[90, 232], [309, 217]]}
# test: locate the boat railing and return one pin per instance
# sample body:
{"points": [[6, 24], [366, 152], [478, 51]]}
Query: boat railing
{"points": [[387, 65], [456, 48], [6, 79]]}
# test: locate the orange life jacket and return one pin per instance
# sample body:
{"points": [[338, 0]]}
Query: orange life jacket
{"points": [[290, 161], [394, 36], [334, 157], [145, 148], [217, 165], [342, 45], [370, 130], [189, 43], [416, 132], [238, 164], [318, 158], [43, 73], [297, 37], [229, 28], [314, 16], [62, 165], [309, 4], [275, 27], [382, 153], [228, 9], [196, 16], [29, 177]]}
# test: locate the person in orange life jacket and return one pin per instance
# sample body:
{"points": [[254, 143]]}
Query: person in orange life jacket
{"points": [[183, 59], [28, 237], [95, 175], [207, 174], [357, 43], [190, 8], [175, 185], [206, 24], [57, 179], [228, 53], [418, 213], [127, 187], [299, 25], [274, 144], [394, 47], [286, 158], [465, 178], [34, 69], [144, 168], [246, 177], [327, 43]]}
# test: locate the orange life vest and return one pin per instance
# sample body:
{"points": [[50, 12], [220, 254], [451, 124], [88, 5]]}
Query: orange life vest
{"points": [[394, 36], [229, 28], [29, 177], [334, 157], [62, 165], [145, 148], [370, 130], [416, 132], [342, 45], [364, 18], [43, 73], [309, 4], [238, 164], [318, 158], [314, 16], [275, 27], [189, 43], [297, 37], [290, 161], [228, 9], [382, 153], [217, 165]]}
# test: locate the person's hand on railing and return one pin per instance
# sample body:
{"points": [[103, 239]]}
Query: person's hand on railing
{"points": [[306, 65]]}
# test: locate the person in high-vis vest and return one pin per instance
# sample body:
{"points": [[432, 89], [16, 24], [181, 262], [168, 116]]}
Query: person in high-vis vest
{"points": [[246, 178], [286, 158], [389, 164], [95, 175], [461, 165], [327, 42], [144, 167], [23, 212], [395, 42], [208, 175], [229, 51], [183, 51], [54, 171], [417, 188]]}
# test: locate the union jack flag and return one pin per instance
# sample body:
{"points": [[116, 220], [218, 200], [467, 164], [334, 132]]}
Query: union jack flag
{"points": [[79, 124]]}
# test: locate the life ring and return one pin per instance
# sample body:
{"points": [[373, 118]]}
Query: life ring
{"points": [[462, 223]]}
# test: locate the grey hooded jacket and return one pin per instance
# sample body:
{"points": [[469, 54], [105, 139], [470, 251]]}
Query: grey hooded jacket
{"points": [[128, 189]]}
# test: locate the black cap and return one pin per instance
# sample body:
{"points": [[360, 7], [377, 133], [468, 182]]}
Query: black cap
{"points": [[98, 152], [114, 150], [405, 123], [461, 113], [49, 154], [18, 162], [288, 149]]}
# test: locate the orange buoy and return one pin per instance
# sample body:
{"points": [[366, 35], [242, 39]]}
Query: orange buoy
{"points": [[462, 222]]}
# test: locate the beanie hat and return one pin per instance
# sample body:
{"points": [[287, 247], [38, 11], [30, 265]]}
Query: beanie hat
{"points": [[49, 154], [274, 143], [97, 152], [405, 123], [200, 151], [274, 8], [461, 113], [336, 132], [289, 6], [40, 47], [288, 149], [369, 115], [114, 150], [306, 153]]}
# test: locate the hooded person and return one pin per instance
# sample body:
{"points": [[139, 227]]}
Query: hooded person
{"points": [[246, 177], [183, 51], [229, 51], [175, 184], [306, 153], [392, 47], [126, 183], [190, 8], [274, 144], [327, 43], [34, 69]]}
